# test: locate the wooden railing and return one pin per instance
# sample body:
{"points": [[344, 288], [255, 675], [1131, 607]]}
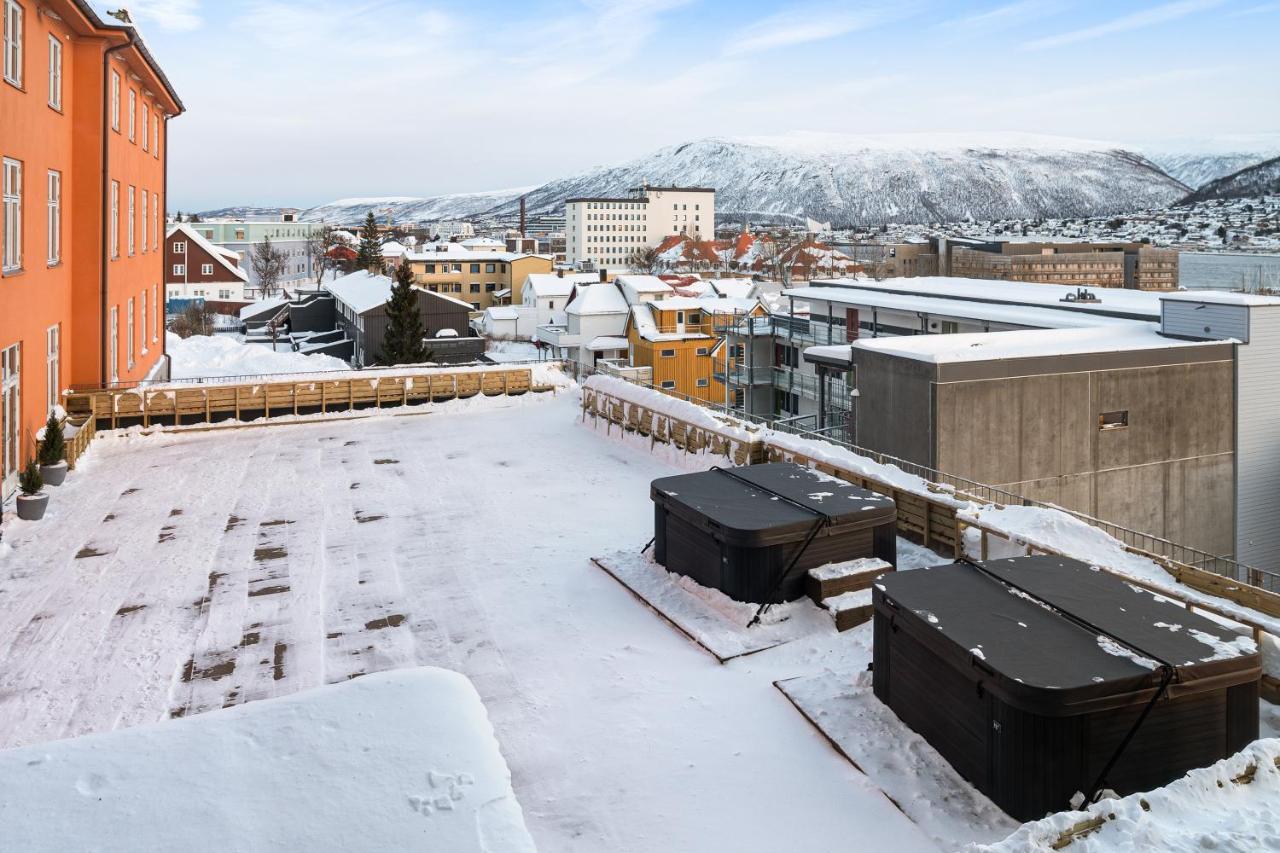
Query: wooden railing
{"points": [[76, 446], [191, 404]]}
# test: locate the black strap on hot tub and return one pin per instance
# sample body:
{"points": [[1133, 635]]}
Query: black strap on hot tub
{"points": [[822, 521], [1167, 670]]}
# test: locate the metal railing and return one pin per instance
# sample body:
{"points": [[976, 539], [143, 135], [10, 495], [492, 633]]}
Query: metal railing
{"points": [[738, 375], [984, 493]]}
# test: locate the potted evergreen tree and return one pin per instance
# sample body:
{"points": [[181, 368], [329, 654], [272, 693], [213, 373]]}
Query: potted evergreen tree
{"points": [[32, 502], [53, 467]]}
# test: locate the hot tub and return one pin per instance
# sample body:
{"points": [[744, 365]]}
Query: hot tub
{"points": [[1027, 674], [738, 529]]}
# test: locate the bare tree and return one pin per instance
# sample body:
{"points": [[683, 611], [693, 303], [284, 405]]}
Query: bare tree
{"points": [[645, 259], [196, 319], [268, 265], [318, 245]]}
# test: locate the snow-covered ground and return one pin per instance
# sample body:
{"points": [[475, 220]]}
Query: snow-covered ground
{"points": [[202, 356], [179, 573], [386, 762], [507, 351]]}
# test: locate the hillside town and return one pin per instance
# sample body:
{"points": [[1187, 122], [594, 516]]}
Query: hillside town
{"points": [[908, 491]]}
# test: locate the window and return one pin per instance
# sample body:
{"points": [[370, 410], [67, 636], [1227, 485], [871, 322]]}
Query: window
{"points": [[490, 287], [155, 137], [142, 319], [487, 268], [115, 219], [475, 306], [430, 269], [113, 353], [155, 221], [206, 269], [702, 350], [131, 335], [144, 220], [239, 233], [703, 383], [155, 313], [179, 248], [133, 115], [13, 42], [552, 305], [55, 72], [52, 382], [12, 215], [668, 384], [179, 269], [132, 218], [115, 101], [475, 268], [668, 353], [145, 112], [457, 267], [10, 419], [475, 287], [1113, 420], [224, 294], [55, 217]]}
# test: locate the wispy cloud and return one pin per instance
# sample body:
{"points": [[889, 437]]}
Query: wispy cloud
{"points": [[177, 15], [1255, 10], [804, 24], [1007, 15], [1136, 21]]}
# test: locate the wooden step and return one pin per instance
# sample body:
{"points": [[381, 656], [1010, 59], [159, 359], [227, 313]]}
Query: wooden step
{"points": [[835, 579], [849, 609]]}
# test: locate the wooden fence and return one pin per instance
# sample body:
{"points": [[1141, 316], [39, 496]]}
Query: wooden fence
{"points": [[206, 403], [76, 446]]}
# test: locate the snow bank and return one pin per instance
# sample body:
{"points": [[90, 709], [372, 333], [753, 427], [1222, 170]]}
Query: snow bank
{"points": [[1204, 810], [402, 760], [665, 404], [212, 355]]}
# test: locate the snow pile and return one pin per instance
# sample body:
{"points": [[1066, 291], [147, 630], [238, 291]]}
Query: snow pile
{"points": [[849, 568], [391, 761], [1205, 810], [665, 404], [502, 352], [211, 356]]}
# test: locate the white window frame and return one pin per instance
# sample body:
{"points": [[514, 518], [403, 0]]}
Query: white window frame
{"points": [[14, 54], [115, 219], [133, 114], [133, 219], [12, 260], [55, 72], [54, 219], [155, 313], [146, 113], [115, 100], [113, 352], [146, 223], [155, 221], [155, 137], [129, 347], [179, 247], [668, 385], [179, 269], [10, 416], [206, 269], [52, 371], [142, 319]]}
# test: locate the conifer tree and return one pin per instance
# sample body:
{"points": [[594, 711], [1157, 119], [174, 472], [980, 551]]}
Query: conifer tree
{"points": [[369, 254], [402, 343]]}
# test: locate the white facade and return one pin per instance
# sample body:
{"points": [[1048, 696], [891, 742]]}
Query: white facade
{"points": [[605, 231], [548, 294]]}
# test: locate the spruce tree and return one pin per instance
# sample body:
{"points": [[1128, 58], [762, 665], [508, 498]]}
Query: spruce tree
{"points": [[369, 254], [53, 446], [402, 343]]}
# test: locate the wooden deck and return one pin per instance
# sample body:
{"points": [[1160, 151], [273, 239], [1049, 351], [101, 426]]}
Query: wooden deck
{"points": [[208, 403]]}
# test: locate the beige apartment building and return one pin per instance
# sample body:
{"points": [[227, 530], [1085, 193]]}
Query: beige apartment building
{"points": [[482, 279], [1128, 265], [605, 231]]}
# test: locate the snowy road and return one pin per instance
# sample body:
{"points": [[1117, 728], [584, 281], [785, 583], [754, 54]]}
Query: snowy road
{"points": [[177, 574]]}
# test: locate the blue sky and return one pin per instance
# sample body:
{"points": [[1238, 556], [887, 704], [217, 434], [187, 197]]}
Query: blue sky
{"points": [[303, 102]]}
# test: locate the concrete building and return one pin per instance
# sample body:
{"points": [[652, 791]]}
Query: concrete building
{"points": [[288, 236], [84, 109], [474, 275], [1130, 265], [604, 232]]}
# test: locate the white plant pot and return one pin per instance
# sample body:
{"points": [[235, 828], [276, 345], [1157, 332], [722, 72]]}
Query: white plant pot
{"points": [[53, 475], [32, 507]]}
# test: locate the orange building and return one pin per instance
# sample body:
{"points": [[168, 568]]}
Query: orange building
{"points": [[83, 144]]}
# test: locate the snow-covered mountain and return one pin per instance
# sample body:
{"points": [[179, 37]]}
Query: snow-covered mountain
{"points": [[917, 178], [1257, 180], [407, 209], [246, 212], [1197, 161], [875, 179]]}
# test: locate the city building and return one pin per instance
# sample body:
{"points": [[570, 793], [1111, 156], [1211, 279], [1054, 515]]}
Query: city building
{"points": [[286, 235], [196, 269], [85, 111], [1129, 265], [473, 275], [606, 231], [361, 314]]}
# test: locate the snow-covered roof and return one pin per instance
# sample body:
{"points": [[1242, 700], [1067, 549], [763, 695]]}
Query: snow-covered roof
{"points": [[441, 252], [546, 284], [455, 300], [502, 312], [361, 291], [740, 288], [1034, 343], [603, 297], [642, 317], [1223, 297], [393, 249], [607, 342], [502, 294], [635, 286], [219, 254], [261, 306], [483, 243], [1110, 300]]}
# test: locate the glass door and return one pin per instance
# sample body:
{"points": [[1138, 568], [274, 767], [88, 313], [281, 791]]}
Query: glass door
{"points": [[10, 418]]}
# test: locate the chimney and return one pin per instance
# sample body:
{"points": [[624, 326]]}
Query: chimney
{"points": [[604, 274], [560, 273], [522, 221]]}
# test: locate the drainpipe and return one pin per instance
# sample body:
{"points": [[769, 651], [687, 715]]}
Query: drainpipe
{"points": [[103, 372], [164, 196]]}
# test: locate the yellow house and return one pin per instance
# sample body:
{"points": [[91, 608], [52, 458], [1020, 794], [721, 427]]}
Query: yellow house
{"points": [[480, 278], [677, 337]]}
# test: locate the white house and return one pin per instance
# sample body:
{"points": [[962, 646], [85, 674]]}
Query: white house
{"points": [[549, 293]]}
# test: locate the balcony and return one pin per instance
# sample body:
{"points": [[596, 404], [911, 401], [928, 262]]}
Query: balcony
{"points": [[740, 375], [806, 385], [620, 368], [557, 336]]}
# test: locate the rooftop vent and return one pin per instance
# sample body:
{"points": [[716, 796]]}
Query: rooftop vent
{"points": [[1081, 295]]}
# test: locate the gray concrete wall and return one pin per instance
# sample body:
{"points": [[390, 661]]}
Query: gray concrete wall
{"points": [[893, 411]]}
